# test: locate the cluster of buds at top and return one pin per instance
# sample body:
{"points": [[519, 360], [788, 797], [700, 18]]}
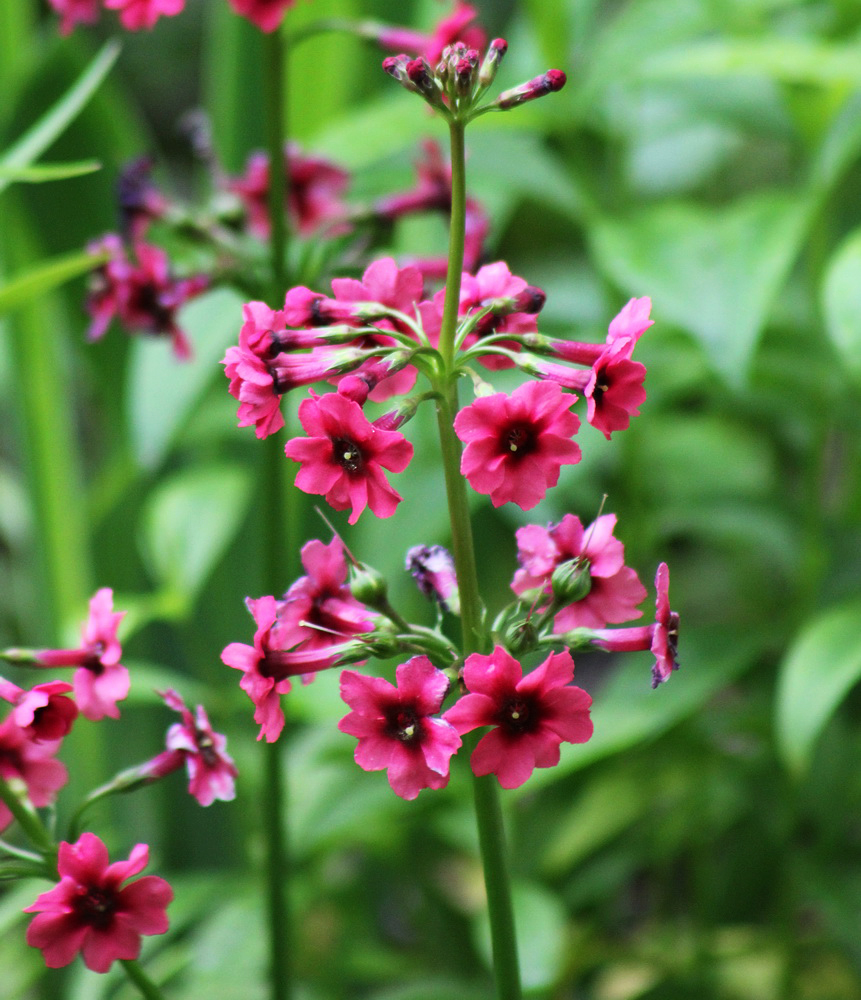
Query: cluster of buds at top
{"points": [[460, 79]]}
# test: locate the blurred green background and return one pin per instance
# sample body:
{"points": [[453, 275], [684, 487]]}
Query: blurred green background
{"points": [[707, 842]]}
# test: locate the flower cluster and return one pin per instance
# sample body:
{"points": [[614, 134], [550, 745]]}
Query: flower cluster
{"points": [[136, 15]]}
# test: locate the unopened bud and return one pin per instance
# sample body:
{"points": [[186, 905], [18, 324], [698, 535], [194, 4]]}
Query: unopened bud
{"points": [[521, 637], [496, 50], [368, 585], [571, 581], [419, 73], [547, 83], [531, 300]]}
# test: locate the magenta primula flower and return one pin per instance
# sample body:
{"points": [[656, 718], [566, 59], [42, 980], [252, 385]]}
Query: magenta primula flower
{"points": [[344, 454], [515, 445], [250, 368], [613, 591], [75, 12], [31, 761], [456, 26], [137, 14], [89, 911], [44, 712], [266, 14], [532, 715], [101, 680], [661, 638], [395, 728]]}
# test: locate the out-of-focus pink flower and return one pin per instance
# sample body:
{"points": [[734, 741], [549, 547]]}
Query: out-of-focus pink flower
{"points": [[89, 911], [614, 589], [662, 637], [395, 728], [140, 201], [137, 14], [314, 195], [456, 26], [432, 567], [266, 14], [43, 712], [532, 715], [515, 445], [344, 455], [33, 763], [75, 12], [101, 680], [319, 611]]}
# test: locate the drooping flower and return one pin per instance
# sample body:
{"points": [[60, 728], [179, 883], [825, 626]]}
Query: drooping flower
{"points": [[613, 591], [192, 742], [137, 14], [532, 715], [516, 445], [32, 762], [661, 638], [75, 12], [91, 912], [395, 726], [100, 680], [432, 567], [516, 305], [43, 712], [344, 454]]}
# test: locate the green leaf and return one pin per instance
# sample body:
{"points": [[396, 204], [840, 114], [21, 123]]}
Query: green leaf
{"points": [[841, 300], [39, 137], [714, 272], [821, 666], [48, 171], [189, 522], [23, 288], [163, 390]]}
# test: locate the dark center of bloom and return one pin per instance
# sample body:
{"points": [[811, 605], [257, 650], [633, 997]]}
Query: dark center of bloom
{"points": [[146, 299], [206, 748], [518, 440], [348, 454], [95, 906], [518, 715], [93, 663], [404, 725]]}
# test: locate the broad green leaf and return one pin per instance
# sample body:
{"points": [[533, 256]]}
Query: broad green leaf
{"points": [[48, 171], [39, 137], [163, 390], [189, 522], [822, 664], [23, 288], [841, 300], [714, 272]]}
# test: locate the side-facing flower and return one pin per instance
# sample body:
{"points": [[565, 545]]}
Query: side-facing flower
{"points": [[91, 912], [531, 715], [75, 12], [32, 762], [100, 680], [395, 727], [137, 14], [456, 26], [344, 454], [44, 712], [516, 445]]}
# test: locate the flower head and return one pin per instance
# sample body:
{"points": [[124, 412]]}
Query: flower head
{"points": [[32, 762], [531, 715], [395, 727], [100, 680], [344, 454], [89, 911], [456, 26], [515, 445], [43, 712], [266, 14], [137, 14], [75, 12]]}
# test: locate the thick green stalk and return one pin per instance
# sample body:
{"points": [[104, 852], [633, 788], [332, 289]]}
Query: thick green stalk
{"points": [[27, 819], [146, 987], [491, 832]]}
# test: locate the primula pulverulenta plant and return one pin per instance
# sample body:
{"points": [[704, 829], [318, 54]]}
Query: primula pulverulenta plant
{"points": [[378, 348]]}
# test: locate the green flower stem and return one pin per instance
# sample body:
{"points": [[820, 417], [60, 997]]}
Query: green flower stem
{"points": [[276, 544], [488, 813], [28, 819], [146, 987]]}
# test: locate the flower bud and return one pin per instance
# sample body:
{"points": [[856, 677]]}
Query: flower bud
{"points": [[571, 581], [432, 567], [521, 637], [495, 52], [368, 585], [547, 83]]}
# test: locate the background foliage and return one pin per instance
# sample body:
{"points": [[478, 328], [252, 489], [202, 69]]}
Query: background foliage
{"points": [[706, 842]]}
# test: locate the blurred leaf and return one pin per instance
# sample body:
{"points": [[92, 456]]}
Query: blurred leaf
{"points": [[541, 935], [22, 288], [163, 390], [432, 989], [39, 137], [189, 522], [822, 664], [48, 171], [841, 300], [714, 272]]}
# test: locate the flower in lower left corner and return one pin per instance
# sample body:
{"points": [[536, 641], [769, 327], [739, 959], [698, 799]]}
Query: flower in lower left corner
{"points": [[91, 912]]}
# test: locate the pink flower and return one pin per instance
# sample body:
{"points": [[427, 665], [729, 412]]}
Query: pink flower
{"points": [[101, 680], [457, 26], [266, 14], [394, 726], [33, 763], [661, 638], [532, 715], [75, 12], [615, 390], [515, 445], [137, 14], [253, 380], [613, 591], [43, 712], [343, 456], [89, 912], [432, 567]]}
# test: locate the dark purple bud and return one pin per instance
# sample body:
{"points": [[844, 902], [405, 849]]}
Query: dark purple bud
{"points": [[531, 300], [432, 568]]}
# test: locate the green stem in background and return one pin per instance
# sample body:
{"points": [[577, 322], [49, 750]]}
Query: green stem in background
{"points": [[27, 819], [276, 543], [488, 812], [146, 987]]}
